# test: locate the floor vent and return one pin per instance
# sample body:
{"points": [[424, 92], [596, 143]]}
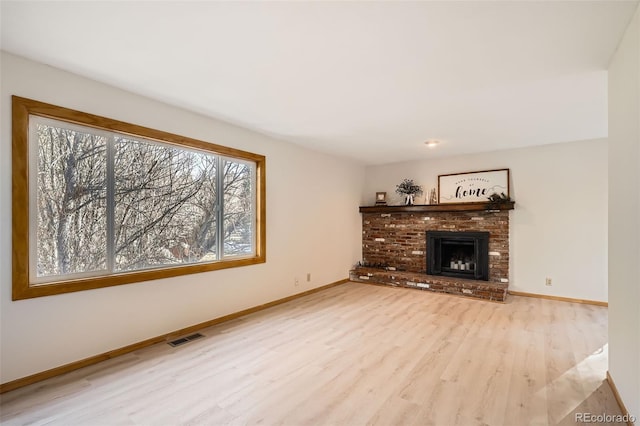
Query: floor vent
{"points": [[183, 340]]}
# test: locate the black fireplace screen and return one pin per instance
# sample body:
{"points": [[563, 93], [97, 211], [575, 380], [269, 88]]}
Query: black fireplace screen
{"points": [[458, 254]]}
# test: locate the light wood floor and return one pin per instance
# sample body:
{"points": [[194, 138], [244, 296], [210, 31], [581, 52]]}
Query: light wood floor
{"points": [[350, 355]]}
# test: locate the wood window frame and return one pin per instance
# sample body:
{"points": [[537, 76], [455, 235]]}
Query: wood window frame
{"points": [[22, 287]]}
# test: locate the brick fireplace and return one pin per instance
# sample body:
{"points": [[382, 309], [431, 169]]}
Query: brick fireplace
{"points": [[394, 247]]}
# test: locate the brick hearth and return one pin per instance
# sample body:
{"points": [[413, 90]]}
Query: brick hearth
{"points": [[397, 239]]}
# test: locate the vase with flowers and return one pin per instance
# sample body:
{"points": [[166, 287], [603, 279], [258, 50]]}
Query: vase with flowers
{"points": [[409, 189]]}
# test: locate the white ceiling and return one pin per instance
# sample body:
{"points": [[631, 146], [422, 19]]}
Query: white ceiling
{"points": [[366, 80]]}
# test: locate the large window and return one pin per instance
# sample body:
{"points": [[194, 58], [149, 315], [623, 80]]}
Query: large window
{"points": [[98, 202]]}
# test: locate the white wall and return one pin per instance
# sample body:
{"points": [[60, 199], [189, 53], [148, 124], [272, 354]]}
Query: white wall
{"points": [[559, 225], [624, 217], [313, 226]]}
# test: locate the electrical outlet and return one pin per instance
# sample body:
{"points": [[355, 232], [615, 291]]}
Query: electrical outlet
{"points": [[309, 277], [547, 282], [296, 282]]}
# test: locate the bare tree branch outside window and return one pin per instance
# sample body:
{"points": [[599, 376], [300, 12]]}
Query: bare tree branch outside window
{"points": [[71, 231], [165, 204]]}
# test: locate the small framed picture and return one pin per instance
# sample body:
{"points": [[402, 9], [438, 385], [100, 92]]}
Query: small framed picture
{"points": [[381, 198]]}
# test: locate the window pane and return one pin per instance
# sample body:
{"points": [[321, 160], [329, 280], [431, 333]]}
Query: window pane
{"points": [[71, 201], [238, 208], [165, 200]]}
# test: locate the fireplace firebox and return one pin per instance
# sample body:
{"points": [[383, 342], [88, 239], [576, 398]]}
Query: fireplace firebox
{"points": [[458, 254]]}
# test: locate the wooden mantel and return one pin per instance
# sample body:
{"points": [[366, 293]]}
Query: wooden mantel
{"points": [[447, 207]]}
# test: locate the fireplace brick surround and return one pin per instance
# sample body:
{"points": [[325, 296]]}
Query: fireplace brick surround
{"points": [[394, 248]]}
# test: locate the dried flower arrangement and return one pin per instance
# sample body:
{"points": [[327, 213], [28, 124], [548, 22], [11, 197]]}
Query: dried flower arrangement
{"points": [[409, 189]]}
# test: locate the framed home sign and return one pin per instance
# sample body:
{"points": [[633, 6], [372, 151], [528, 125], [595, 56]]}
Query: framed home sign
{"points": [[472, 187]]}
